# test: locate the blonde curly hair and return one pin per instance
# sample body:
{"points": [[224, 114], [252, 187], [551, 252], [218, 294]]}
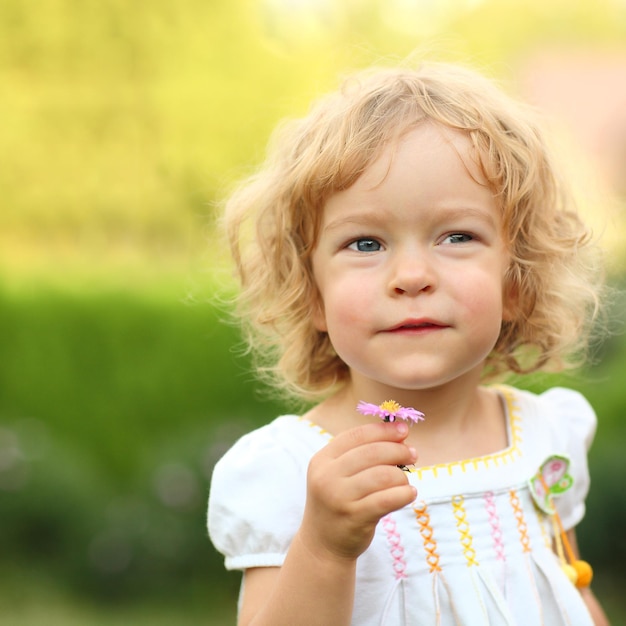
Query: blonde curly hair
{"points": [[272, 222]]}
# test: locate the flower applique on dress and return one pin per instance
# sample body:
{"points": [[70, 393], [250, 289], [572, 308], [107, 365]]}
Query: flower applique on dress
{"points": [[390, 411], [552, 479]]}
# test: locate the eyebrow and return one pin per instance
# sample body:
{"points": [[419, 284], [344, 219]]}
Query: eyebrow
{"points": [[445, 214], [484, 215], [369, 218]]}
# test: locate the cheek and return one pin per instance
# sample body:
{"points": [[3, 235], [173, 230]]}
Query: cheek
{"points": [[483, 297], [345, 305]]}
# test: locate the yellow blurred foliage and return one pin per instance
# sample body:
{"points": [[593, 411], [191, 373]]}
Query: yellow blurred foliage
{"points": [[123, 122]]}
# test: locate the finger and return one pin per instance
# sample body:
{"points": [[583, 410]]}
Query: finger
{"points": [[340, 481], [367, 433], [374, 454], [380, 503], [374, 480]]}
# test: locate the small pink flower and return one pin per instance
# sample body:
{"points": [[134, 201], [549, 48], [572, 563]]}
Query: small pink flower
{"points": [[390, 411]]}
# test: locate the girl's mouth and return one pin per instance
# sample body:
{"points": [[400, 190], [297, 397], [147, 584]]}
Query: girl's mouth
{"points": [[417, 326]]}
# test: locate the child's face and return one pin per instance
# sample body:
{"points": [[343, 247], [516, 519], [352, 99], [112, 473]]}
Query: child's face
{"points": [[410, 265]]}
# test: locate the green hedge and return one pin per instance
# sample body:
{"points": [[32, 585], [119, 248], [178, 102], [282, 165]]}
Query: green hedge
{"points": [[114, 407]]}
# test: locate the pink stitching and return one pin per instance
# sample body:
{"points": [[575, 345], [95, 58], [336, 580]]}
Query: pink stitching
{"points": [[494, 521], [396, 549]]}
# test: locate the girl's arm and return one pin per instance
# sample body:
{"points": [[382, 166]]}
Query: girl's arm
{"points": [[597, 613], [305, 590], [351, 484]]}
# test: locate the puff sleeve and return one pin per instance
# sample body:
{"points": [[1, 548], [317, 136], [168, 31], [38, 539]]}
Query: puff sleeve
{"points": [[257, 495], [573, 426]]}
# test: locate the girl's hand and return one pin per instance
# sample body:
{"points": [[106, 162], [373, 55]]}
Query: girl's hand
{"points": [[353, 482]]}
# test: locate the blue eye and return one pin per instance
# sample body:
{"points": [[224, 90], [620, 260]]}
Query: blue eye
{"points": [[458, 238], [365, 245]]}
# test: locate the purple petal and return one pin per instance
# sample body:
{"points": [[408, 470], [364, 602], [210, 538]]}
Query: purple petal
{"points": [[410, 414], [367, 408]]}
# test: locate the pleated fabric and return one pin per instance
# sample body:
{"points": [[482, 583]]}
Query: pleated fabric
{"points": [[472, 550]]}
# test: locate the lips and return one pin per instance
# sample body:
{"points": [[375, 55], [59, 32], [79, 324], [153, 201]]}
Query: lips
{"points": [[417, 325]]}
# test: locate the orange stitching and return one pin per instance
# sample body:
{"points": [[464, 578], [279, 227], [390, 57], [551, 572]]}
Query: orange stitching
{"points": [[521, 522], [426, 530]]}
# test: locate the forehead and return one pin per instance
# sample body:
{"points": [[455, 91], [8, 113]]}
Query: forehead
{"points": [[430, 145], [429, 166]]}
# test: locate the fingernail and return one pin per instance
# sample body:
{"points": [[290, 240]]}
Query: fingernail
{"points": [[403, 428], [413, 452]]}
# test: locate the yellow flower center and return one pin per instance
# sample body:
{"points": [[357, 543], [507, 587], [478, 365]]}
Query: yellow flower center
{"points": [[390, 406]]}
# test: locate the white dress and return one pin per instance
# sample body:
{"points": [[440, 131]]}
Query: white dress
{"points": [[473, 548]]}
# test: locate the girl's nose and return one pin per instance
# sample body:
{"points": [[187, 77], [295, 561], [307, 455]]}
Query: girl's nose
{"points": [[412, 274]]}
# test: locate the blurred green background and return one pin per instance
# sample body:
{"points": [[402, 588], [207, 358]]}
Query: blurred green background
{"points": [[122, 125]]}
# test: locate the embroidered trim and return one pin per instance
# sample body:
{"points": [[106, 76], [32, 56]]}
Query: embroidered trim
{"points": [[463, 527], [314, 426], [490, 460], [494, 522], [395, 545], [426, 530], [522, 528]]}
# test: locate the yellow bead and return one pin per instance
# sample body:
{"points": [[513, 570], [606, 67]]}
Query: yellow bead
{"points": [[570, 572], [584, 573]]}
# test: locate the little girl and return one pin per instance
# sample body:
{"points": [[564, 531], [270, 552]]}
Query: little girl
{"points": [[409, 241]]}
